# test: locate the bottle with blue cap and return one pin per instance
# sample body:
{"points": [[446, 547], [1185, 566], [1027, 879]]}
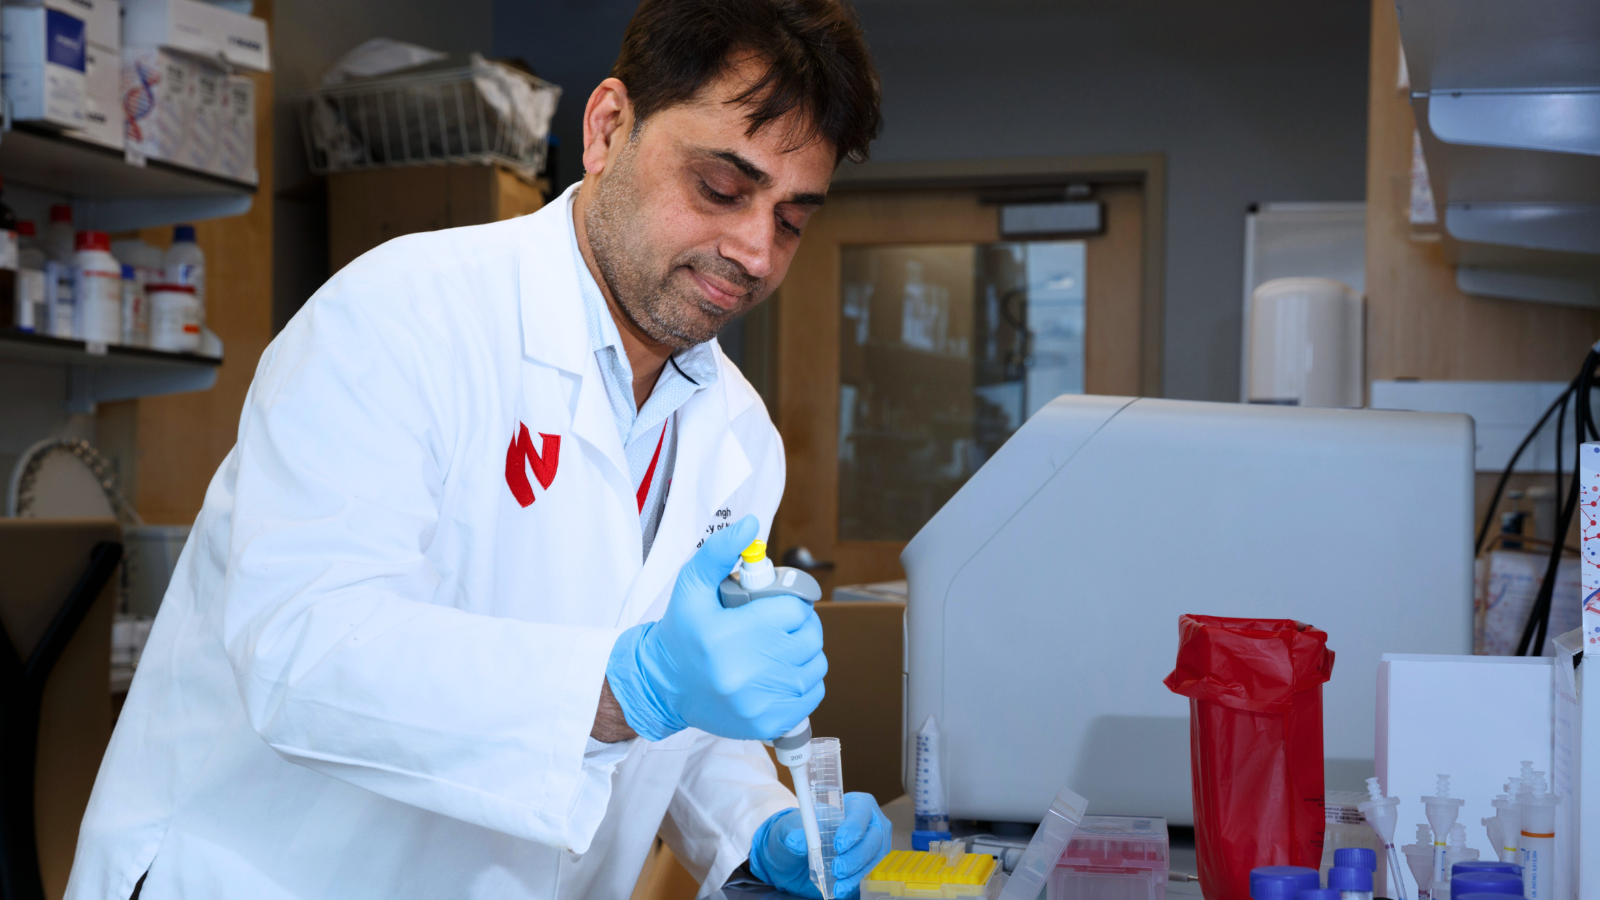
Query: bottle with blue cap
{"points": [[1318, 894], [1351, 882], [1356, 858], [1485, 865], [1465, 882], [1282, 882]]}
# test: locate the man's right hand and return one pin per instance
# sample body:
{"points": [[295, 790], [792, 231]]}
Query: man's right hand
{"points": [[749, 673]]}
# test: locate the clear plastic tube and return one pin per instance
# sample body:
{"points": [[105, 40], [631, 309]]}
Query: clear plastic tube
{"points": [[826, 781]]}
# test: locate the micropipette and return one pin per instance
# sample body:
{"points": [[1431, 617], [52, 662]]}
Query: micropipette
{"points": [[1382, 813], [755, 579]]}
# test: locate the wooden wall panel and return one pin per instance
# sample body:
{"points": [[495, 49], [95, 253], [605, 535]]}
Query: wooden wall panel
{"points": [[1419, 324]]}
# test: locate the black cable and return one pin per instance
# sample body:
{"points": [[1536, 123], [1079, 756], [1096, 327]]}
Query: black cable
{"points": [[1561, 421], [1499, 488], [1538, 624]]}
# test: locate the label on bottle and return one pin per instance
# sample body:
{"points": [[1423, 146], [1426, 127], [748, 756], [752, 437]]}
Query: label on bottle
{"points": [[100, 305], [8, 250]]}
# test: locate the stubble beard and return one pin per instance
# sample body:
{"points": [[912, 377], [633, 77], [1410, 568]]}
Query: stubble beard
{"points": [[667, 307]]}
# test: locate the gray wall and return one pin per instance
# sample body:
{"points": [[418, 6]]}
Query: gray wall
{"points": [[308, 35], [1250, 100]]}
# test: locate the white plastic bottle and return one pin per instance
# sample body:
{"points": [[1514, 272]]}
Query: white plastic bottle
{"points": [[135, 311], [174, 318], [32, 310], [99, 289], [186, 264], [60, 242]]}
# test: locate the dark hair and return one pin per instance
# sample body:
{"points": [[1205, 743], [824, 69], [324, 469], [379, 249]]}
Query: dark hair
{"points": [[814, 51]]}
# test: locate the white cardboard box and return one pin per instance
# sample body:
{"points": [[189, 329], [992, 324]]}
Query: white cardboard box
{"points": [[203, 29], [1474, 718], [236, 148], [160, 91], [102, 19], [44, 62], [103, 120]]}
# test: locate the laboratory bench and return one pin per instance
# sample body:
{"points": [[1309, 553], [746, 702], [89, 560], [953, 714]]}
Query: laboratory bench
{"points": [[1180, 855]]}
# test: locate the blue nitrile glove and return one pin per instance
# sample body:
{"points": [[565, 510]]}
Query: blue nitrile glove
{"points": [[750, 673], [778, 852]]}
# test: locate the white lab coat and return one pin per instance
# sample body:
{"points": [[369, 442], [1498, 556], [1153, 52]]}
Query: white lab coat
{"points": [[375, 671]]}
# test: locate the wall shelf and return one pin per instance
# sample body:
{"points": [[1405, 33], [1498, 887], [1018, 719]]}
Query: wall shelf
{"points": [[1507, 105], [109, 192], [98, 373]]}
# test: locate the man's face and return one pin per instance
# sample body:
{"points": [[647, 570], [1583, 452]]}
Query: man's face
{"points": [[691, 221]]}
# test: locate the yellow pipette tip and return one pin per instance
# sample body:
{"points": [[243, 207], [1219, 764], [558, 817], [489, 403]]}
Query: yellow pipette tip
{"points": [[756, 552]]}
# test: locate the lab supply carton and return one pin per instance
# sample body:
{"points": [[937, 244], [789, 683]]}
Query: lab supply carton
{"points": [[203, 29], [1121, 857], [158, 98], [44, 63], [102, 101], [236, 147], [200, 150]]}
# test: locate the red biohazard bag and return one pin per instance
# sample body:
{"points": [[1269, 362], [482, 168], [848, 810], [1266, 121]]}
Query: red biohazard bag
{"points": [[1255, 744]]}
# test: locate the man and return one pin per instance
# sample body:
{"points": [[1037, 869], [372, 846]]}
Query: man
{"points": [[447, 625]]}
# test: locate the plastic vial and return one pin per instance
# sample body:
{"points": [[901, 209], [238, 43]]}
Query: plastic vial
{"points": [[32, 309], [135, 311], [1538, 843], [932, 812], [1351, 883], [186, 264], [1419, 858], [1441, 810], [99, 290], [827, 797]]}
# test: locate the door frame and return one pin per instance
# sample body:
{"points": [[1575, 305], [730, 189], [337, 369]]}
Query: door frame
{"points": [[1146, 169]]}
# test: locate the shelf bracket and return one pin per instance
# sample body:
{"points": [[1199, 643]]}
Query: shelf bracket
{"points": [[1563, 227], [1505, 285], [148, 212], [1557, 121]]}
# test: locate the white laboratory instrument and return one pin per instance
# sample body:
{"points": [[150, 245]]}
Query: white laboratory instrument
{"points": [[1044, 596], [1305, 343]]}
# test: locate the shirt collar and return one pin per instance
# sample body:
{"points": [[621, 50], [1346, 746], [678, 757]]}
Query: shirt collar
{"points": [[698, 363]]}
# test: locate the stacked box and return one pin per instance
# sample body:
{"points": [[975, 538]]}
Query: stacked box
{"points": [[158, 100], [102, 102], [236, 146], [45, 50], [203, 29]]}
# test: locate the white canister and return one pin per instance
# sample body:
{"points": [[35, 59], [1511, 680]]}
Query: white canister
{"points": [[174, 317], [1305, 343], [99, 289]]}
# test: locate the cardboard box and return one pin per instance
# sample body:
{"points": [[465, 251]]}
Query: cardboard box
{"points": [[103, 121], [158, 92], [45, 50], [102, 19], [205, 30], [200, 150], [236, 147]]}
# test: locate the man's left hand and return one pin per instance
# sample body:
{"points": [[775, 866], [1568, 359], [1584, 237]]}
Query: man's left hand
{"points": [[778, 852]]}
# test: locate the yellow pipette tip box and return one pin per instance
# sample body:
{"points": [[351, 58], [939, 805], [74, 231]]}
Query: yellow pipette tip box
{"points": [[949, 874]]}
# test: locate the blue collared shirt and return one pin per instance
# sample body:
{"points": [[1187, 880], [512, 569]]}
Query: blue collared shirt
{"points": [[649, 434]]}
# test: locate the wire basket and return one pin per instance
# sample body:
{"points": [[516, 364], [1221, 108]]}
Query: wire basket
{"points": [[483, 113]]}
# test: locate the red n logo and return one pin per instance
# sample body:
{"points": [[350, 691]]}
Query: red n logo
{"points": [[521, 456]]}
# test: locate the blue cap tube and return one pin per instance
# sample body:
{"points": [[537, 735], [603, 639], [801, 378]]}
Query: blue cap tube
{"points": [[1485, 883], [1346, 878], [1356, 858], [1485, 865], [1300, 877]]}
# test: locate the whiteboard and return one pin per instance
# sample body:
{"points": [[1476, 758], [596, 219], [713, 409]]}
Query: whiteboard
{"points": [[1285, 240]]}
